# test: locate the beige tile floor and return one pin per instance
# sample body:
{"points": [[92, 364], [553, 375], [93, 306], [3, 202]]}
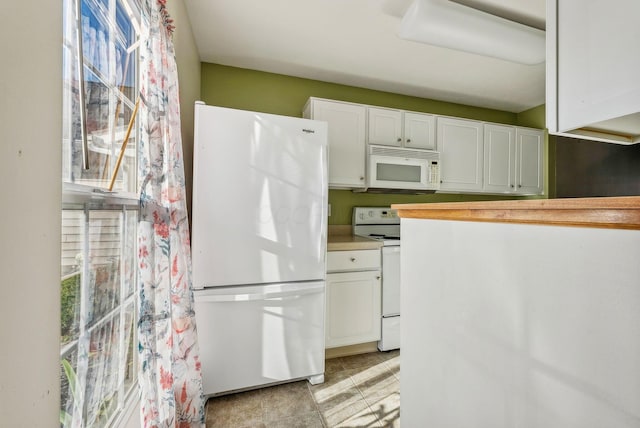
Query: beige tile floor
{"points": [[359, 391]]}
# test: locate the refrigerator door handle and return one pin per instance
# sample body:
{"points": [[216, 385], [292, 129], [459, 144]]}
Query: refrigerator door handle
{"points": [[266, 295]]}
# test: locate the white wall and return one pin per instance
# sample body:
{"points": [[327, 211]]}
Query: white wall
{"points": [[189, 77], [30, 171], [529, 326]]}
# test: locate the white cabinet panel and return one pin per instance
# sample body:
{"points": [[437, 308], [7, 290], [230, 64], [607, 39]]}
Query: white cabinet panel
{"points": [[460, 143], [385, 126], [399, 128], [353, 308], [513, 160], [419, 131], [529, 169], [347, 127], [547, 336], [593, 90], [499, 158]]}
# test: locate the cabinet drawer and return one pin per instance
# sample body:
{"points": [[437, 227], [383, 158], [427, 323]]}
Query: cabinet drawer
{"points": [[353, 260]]}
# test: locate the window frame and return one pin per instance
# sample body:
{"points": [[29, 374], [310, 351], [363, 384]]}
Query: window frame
{"points": [[91, 198]]}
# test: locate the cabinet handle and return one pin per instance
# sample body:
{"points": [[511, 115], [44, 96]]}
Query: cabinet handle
{"points": [[512, 186], [399, 139], [361, 178], [353, 259], [408, 140], [519, 185], [378, 277]]}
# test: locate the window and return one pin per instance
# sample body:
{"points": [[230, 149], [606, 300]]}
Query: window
{"points": [[107, 40], [98, 372]]}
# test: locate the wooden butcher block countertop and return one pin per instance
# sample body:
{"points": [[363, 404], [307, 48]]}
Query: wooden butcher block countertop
{"points": [[610, 212]]}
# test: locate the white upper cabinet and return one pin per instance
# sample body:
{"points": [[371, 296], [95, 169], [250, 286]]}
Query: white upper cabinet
{"points": [[593, 89], [499, 158], [399, 128], [460, 143], [529, 158], [475, 156], [513, 160], [347, 128], [419, 131], [385, 126]]}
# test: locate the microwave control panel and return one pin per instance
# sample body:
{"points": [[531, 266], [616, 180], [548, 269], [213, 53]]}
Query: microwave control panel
{"points": [[434, 172]]}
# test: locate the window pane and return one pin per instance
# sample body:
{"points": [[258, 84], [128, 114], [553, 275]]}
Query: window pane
{"points": [[130, 371], [68, 370], [72, 245], [110, 66], [105, 235], [130, 253], [102, 376]]}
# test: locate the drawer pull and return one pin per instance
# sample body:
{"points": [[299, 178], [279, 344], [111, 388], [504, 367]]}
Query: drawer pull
{"points": [[353, 259]]}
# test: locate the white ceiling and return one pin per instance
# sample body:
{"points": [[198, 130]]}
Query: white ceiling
{"points": [[355, 42]]}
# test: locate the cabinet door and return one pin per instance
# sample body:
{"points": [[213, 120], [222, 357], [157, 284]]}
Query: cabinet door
{"points": [[385, 126], [419, 131], [353, 308], [499, 158], [529, 152], [346, 141], [460, 143], [597, 67]]}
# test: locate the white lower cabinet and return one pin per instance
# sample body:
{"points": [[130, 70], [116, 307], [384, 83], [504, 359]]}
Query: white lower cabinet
{"points": [[354, 298]]}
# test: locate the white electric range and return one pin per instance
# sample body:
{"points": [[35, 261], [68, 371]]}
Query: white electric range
{"points": [[383, 224]]}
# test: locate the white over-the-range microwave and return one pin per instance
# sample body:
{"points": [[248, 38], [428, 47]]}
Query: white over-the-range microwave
{"points": [[403, 169]]}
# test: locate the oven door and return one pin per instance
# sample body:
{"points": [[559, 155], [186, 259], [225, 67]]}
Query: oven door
{"points": [[390, 281], [389, 172]]}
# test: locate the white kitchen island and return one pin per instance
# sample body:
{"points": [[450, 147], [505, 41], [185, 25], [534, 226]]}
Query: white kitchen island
{"points": [[521, 314]]}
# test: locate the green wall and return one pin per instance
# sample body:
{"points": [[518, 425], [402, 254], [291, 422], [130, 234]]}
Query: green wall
{"points": [[279, 94]]}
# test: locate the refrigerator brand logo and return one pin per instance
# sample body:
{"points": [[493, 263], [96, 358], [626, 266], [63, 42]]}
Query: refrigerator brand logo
{"points": [[308, 131]]}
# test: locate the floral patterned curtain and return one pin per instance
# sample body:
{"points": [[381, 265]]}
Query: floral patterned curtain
{"points": [[170, 378]]}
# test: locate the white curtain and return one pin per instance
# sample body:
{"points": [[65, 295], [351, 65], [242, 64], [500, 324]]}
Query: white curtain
{"points": [[170, 377]]}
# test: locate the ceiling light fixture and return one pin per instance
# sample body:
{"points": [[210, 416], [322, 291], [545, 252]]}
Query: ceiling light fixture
{"points": [[452, 25]]}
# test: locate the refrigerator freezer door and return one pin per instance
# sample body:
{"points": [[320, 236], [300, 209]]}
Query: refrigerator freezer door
{"points": [[260, 198], [258, 335]]}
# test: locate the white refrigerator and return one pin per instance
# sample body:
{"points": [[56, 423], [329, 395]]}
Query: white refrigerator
{"points": [[259, 231]]}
